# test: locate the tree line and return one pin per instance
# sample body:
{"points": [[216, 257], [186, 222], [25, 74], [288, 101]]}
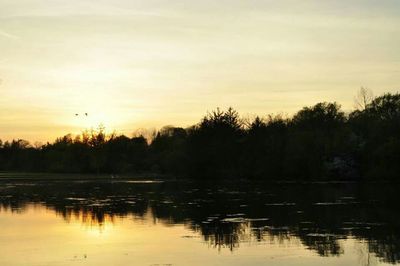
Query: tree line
{"points": [[319, 142]]}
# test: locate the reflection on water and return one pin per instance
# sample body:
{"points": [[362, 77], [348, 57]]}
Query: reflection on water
{"points": [[185, 223]]}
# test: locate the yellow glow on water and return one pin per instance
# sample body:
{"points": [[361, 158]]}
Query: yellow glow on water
{"points": [[37, 236]]}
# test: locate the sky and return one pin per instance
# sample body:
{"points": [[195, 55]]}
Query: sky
{"points": [[135, 64]]}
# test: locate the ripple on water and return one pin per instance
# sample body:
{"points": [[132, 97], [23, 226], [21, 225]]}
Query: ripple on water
{"points": [[281, 204], [76, 199], [140, 181]]}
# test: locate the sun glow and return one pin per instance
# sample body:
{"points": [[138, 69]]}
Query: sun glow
{"points": [[131, 64]]}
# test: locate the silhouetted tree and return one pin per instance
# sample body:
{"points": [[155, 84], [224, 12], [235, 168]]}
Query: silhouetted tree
{"points": [[214, 145], [363, 98], [376, 128]]}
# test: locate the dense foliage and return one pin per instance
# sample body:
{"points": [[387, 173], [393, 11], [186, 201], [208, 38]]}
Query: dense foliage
{"points": [[318, 142]]}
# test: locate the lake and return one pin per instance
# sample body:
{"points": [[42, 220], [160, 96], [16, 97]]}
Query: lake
{"points": [[85, 221]]}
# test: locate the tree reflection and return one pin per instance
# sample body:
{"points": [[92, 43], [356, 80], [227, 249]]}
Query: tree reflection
{"points": [[318, 216]]}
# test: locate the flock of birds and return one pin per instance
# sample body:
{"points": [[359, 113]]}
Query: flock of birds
{"points": [[86, 114]]}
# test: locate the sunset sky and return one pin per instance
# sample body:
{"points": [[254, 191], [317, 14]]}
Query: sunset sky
{"points": [[140, 64]]}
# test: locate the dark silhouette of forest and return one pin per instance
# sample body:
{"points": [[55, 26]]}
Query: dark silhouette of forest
{"points": [[320, 142]]}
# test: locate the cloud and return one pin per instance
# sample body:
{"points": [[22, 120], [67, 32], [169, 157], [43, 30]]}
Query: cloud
{"points": [[8, 35]]}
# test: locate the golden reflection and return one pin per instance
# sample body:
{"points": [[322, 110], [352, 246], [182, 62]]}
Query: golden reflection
{"points": [[88, 218], [84, 236], [145, 223]]}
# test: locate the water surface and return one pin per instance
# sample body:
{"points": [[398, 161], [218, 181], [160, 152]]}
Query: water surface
{"points": [[146, 222]]}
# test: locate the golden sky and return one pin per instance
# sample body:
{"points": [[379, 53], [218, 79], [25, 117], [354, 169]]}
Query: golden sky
{"points": [[138, 64]]}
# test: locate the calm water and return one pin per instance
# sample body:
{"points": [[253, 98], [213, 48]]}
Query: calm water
{"points": [[104, 222]]}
